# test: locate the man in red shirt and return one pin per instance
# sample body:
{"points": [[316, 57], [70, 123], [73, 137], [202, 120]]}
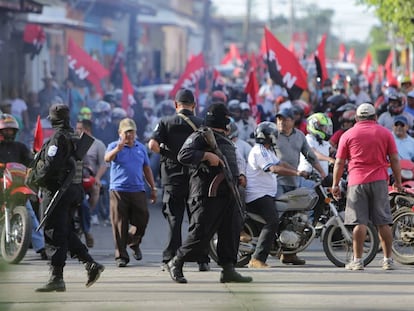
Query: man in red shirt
{"points": [[368, 148]]}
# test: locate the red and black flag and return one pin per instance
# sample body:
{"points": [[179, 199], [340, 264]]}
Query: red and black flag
{"points": [[192, 73], [320, 61], [33, 38], [115, 69], [84, 66], [284, 69]]}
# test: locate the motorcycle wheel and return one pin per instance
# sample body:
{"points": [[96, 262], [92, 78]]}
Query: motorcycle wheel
{"points": [[245, 249], [340, 252], [403, 237], [20, 237]]}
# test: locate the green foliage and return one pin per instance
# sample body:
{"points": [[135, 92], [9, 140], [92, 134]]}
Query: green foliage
{"points": [[395, 13]]}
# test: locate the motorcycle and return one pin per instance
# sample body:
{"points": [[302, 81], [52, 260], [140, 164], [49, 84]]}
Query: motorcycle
{"points": [[407, 173], [402, 206], [297, 230], [14, 217]]}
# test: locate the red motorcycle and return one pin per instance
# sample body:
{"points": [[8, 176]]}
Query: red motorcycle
{"points": [[14, 219], [407, 173]]}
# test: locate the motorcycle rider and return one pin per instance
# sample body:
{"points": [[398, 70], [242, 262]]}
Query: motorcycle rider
{"points": [[396, 105], [14, 151], [290, 144], [261, 173], [50, 173]]}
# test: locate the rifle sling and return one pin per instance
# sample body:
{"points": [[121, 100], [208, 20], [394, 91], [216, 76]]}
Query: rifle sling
{"points": [[187, 119]]}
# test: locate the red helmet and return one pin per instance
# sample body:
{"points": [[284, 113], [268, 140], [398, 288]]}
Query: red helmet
{"points": [[88, 182], [303, 106], [218, 96]]}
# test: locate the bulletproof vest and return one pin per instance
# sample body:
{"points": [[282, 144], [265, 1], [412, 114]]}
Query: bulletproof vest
{"points": [[77, 178], [229, 151]]}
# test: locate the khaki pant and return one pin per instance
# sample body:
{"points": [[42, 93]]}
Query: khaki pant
{"points": [[129, 217]]}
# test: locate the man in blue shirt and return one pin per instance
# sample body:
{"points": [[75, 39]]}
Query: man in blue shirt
{"points": [[128, 202], [404, 142]]}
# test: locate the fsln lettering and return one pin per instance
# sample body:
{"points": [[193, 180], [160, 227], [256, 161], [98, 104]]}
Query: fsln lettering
{"points": [[289, 80]]}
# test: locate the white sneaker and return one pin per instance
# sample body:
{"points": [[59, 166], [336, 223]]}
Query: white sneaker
{"points": [[388, 264], [94, 220], [355, 265]]}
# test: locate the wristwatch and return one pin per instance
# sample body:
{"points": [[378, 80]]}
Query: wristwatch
{"points": [[154, 189]]}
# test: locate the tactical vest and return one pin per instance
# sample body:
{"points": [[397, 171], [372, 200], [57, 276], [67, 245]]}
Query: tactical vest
{"points": [[229, 151]]}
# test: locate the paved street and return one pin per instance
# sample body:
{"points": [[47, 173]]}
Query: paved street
{"points": [[318, 285]]}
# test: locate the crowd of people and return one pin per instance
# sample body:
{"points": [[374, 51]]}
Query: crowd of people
{"points": [[271, 148]]}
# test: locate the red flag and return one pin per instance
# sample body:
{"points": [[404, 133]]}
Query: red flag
{"points": [[350, 57], [192, 73], [252, 89], [38, 136], [232, 56], [342, 53], [84, 66], [366, 65], [388, 66], [284, 68], [128, 99], [320, 57]]}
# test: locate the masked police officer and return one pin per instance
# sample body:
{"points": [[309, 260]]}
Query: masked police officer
{"points": [[167, 139], [56, 162], [211, 211]]}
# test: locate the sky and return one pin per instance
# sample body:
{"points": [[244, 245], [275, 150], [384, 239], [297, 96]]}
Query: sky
{"points": [[350, 21]]}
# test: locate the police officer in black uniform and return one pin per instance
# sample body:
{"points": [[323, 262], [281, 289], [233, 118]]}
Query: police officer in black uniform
{"points": [[210, 213], [167, 139], [56, 161]]}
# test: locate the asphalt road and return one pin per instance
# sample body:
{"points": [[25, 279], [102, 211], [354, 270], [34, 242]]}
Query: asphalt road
{"points": [[318, 285]]}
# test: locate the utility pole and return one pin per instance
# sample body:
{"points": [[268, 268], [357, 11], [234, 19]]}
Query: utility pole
{"points": [[246, 26], [207, 32], [291, 18], [270, 16]]}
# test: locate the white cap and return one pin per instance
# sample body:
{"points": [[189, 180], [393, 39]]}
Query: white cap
{"points": [[410, 94], [365, 110], [244, 106]]}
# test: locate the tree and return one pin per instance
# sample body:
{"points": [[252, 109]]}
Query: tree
{"points": [[397, 13]]}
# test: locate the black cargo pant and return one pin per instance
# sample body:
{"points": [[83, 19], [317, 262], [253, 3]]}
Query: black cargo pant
{"points": [[60, 235], [175, 204], [208, 216]]}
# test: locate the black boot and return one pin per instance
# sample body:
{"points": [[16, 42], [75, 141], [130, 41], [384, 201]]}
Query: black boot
{"points": [[94, 272], [55, 283], [175, 268], [229, 274]]}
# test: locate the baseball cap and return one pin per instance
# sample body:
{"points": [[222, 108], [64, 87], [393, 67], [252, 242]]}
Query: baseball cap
{"points": [[365, 110], [410, 94], [126, 125], [244, 106], [401, 119], [285, 113], [185, 96]]}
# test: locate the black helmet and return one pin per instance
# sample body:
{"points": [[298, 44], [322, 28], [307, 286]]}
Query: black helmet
{"points": [[337, 100], [59, 112], [217, 116], [266, 133]]}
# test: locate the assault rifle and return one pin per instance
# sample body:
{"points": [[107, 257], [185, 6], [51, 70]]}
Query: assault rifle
{"points": [[81, 148], [226, 173]]}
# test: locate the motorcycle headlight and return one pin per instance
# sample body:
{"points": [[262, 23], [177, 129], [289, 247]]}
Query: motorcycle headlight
{"points": [[407, 174]]}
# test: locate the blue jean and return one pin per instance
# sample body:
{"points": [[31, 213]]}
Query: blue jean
{"points": [[38, 239]]}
